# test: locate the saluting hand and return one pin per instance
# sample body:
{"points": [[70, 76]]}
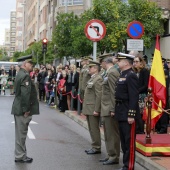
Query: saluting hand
{"points": [[130, 120]]}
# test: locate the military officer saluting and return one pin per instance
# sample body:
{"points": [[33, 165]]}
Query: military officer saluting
{"points": [[110, 124], [24, 106], [84, 75], [92, 106], [127, 109]]}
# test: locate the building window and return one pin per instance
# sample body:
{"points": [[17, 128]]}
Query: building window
{"points": [[166, 27], [125, 1], [71, 2]]}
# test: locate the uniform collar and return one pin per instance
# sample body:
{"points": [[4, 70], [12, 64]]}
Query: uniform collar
{"points": [[126, 71]]}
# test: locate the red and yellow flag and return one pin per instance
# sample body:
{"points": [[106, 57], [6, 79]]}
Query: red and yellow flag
{"points": [[158, 85]]}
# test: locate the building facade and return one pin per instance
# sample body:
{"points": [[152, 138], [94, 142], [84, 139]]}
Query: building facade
{"points": [[39, 17], [19, 25], [12, 32], [7, 41]]}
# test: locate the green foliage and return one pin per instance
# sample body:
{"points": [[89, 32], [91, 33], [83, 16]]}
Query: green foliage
{"points": [[144, 11], [62, 34], [4, 55], [69, 39]]}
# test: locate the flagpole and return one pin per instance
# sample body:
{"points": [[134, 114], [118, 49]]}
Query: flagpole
{"points": [[148, 139]]}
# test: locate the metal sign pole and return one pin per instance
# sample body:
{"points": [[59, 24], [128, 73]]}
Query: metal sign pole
{"points": [[94, 50]]}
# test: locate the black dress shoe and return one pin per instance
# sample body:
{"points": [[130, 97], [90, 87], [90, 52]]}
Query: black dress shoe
{"points": [[103, 160], [87, 150], [93, 151], [26, 160], [110, 162]]}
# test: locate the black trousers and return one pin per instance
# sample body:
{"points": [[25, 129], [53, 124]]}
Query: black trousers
{"points": [[41, 93], [127, 138]]}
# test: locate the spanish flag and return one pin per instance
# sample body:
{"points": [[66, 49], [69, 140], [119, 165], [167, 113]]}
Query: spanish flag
{"points": [[158, 85]]}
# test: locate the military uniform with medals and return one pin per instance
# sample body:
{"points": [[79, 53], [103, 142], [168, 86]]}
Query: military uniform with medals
{"points": [[127, 96], [91, 103]]}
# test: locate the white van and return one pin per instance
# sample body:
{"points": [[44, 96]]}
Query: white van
{"points": [[6, 65]]}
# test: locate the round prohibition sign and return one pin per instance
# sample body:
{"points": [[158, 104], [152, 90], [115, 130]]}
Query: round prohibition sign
{"points": [[135, 29], [95, 30]]}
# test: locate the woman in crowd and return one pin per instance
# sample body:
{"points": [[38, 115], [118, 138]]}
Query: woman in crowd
{"points": [[62, 91], [3, 82], [72, 85], [143, 75], [11, 78], [48, 80]]}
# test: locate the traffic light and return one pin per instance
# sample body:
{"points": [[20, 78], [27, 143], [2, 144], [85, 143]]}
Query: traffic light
{"points": [[44, 45]]}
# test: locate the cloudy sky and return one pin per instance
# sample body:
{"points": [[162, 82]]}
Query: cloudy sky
{"points": [[5, 7]]}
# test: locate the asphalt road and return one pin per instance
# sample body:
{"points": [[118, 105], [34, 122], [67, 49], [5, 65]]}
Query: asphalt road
{"points": [[59, 142]]}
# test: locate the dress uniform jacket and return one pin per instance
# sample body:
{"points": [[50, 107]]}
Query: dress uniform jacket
{"points": [[25, 95], [108, 92], [127, 96], [92, 96]]}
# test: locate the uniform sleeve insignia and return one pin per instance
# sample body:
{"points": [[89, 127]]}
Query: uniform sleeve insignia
{"points": [[27, 83], [122, 79]]}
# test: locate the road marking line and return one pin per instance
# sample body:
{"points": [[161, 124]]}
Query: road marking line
{"points": [[30, 133]]}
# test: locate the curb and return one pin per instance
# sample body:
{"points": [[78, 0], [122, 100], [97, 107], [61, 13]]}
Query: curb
{"points": [[145, 162]]}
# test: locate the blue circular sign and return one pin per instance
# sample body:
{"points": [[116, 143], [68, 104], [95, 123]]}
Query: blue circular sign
{"points": [[135, 29]]}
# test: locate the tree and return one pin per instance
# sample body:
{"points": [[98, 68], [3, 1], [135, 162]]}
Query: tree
{"points": [[62, 35], [148, 13]]}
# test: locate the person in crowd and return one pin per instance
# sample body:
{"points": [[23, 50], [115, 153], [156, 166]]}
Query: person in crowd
{"points": [[3, 82], [17, 67], [62, 92], [48, 86], [110, 124], [11, 78], [92, 106], [143, 79], [127, 108], [34, 77], [72, 84], [41, 80], [51, 87], [145, 59], [58, 74], [24, 106]]}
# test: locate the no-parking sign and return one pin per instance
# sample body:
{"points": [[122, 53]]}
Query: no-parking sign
{"points": [[135, 29], [95, 30]]}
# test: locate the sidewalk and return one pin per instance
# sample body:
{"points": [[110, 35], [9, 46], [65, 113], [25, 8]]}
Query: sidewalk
{"points": [[150, 163]]}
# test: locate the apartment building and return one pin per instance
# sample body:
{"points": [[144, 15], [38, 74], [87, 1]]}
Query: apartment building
{"points": [[19, 25], [39, 17], [12, 32], [7, 41]]}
